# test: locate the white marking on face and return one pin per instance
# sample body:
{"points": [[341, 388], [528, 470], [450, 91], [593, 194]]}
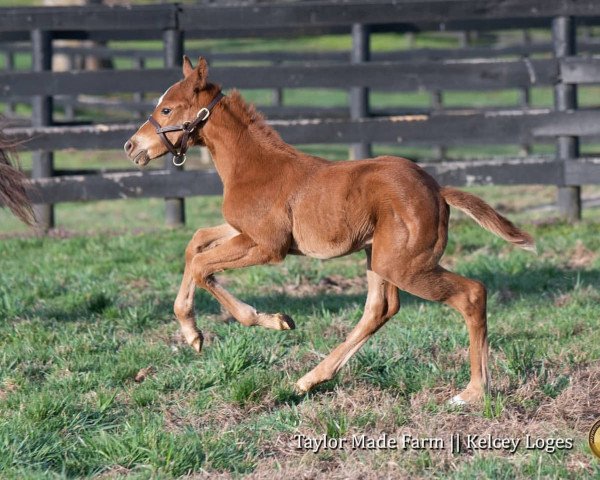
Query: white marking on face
{"points": [[143, 142], [163, 96]]}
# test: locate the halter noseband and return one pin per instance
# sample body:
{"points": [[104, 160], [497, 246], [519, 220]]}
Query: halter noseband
{"points": [[187, 128]]}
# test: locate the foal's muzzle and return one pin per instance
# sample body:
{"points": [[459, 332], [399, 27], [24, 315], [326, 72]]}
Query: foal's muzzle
{"points": [[140, 158]]}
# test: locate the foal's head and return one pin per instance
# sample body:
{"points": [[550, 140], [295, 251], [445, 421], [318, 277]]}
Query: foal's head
{"points": [[181, 103]]}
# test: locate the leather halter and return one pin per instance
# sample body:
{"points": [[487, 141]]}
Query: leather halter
{"points": [[187, 128]]}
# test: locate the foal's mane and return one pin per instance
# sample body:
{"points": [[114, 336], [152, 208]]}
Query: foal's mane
{"points": [[256, 123]]}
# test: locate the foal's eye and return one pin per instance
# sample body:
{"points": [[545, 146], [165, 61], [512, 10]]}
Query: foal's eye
{"points": [[165, 111]]}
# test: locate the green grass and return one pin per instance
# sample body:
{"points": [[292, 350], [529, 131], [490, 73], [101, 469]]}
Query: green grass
{"points": [[82, 315]]}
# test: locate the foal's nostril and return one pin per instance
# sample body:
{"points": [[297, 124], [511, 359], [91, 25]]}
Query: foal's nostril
{"points": [[128, 146]]}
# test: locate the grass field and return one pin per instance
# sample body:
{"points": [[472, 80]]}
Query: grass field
{"points": [[95, 379]]}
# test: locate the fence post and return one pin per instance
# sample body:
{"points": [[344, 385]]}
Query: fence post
{"points": [[69, 109], [173, 56], [524, 93], [565, 98], [277, 93], [10, 66], [41, 115], [437, 105], [359, 96], [138, 97]]}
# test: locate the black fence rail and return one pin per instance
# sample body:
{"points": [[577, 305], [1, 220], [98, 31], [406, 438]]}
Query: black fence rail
{"points": [[467, 68], [139, 58]]}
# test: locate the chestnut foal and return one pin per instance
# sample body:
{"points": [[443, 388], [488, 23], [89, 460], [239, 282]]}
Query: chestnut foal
{"points": [[279, 201]]}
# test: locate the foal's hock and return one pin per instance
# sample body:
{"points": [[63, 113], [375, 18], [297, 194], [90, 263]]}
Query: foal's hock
{"points": [[279, 201]]}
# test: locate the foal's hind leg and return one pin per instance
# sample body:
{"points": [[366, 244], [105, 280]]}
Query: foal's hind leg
{"points": [[465, 295], [381, 305]]}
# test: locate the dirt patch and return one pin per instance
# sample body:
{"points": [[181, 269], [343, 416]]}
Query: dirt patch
{"points": [[114, 472], [138, 284], [337, 329], [64, 233], [578, 405], [506, 295], [7, 388], [563, 299], [581, 257], [328, 284]]}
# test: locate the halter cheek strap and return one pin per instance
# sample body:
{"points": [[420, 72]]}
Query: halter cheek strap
{"points": [[187, 128]]}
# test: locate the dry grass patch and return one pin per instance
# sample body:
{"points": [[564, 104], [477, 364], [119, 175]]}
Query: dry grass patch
{"points": [[581, 256], [327, 284], [578, 405], [427, 415]]}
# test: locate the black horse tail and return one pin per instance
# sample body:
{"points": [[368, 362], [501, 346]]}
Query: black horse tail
{"points": [[14, 184]]}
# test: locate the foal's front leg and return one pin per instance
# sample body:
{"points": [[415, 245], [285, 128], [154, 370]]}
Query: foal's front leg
{"points": [[237, 252], [203, 239]]}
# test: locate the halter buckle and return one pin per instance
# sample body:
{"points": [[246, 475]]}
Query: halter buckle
{"points": [[175, 157], [203, 113]]}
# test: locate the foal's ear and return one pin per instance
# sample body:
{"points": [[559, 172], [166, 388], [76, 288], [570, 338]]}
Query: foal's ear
{"points": [[202, 69], [197, 76], [187, 66]]}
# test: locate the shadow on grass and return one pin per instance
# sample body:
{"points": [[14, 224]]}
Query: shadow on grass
{"points": [[527, 282], [534, 281]]}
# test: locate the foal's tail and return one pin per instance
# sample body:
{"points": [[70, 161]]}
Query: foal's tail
{"points": [[13, 185], [488, 218]]}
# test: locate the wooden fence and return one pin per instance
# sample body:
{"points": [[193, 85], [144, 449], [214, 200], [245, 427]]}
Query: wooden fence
{"points": [[466, 68]]}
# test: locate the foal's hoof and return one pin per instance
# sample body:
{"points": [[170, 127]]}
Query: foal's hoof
{"points": [[196, 344], [276, 321], [468, 396], [301, 388], [456, 400], [285, 322], [305, 384]]}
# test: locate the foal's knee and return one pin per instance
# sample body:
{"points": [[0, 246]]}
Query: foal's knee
{"points": [[199, 242], [194, 246], [202, 277]]}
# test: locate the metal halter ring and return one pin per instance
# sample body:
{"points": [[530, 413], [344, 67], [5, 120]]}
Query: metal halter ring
{"points": [[180, 163], [203, 113]]}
